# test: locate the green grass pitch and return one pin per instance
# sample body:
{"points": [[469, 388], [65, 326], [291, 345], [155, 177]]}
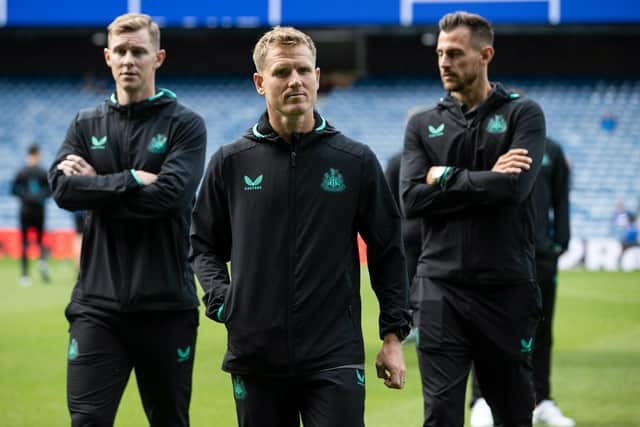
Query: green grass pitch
{"points": [[596, 365]]}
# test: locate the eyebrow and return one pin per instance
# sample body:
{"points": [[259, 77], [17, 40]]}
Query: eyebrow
{"points": [[129, 46]]}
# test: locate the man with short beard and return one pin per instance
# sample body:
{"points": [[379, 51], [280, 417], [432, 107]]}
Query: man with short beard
{"points": [[468, 168]]}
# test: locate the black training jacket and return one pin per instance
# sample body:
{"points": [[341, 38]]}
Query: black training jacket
{"points": [[136, 238], [478, 225], [551, 200], [411, 227], [31, 187], [287, 217]]}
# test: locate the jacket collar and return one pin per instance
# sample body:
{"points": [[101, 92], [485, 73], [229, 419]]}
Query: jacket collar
{"points": [[263, 132], [498, 96], [162, 97]]}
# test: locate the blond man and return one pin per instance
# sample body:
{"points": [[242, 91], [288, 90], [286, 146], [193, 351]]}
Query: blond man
{"points": [[132, 164], [284, 204]]}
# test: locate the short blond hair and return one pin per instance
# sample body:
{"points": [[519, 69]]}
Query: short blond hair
{"points": [[131, 22], [280, 36]]}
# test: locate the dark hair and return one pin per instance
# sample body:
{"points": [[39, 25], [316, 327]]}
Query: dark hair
{"points": [[33, 149], [481, 30]]}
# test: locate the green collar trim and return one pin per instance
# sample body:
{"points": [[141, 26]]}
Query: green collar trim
{"points": [[257, 134], [161, 92], [320, 128], [323, 125]]}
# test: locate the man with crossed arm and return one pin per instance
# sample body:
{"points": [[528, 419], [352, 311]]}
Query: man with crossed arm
{"points": [[468, 168]]}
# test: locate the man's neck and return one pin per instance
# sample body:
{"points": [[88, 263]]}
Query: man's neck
{"points": [[474, 96], [285, 126], [125, 98]]}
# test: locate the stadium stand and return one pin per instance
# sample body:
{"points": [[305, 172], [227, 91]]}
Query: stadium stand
{"points": [[605, 164]]}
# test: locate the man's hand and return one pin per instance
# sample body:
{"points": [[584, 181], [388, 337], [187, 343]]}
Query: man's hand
{"points": [[434, 170], [76, 165], [146, 178], [513, 161], [390, 362]]}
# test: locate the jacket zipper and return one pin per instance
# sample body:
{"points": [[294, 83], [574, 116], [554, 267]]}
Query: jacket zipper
{"points": [[292, 253], [350, 306], [124, 158], [465, 224]]}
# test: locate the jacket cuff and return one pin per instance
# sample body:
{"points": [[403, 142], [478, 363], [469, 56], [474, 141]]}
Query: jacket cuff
{"points": [[401, 331], [135, 177], [214, 306]]}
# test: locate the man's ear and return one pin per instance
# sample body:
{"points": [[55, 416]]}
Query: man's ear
{"points": [[161, 55], [487, 53], [257, 81], [107, 56]]}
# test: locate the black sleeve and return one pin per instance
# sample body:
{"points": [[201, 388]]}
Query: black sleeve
{"points": [[418, 198], [560, 199], [462, 188], [392, 173], [487, 187], [211, 238], [85, 192], [17, 186], [177, 180], [380, 227]]}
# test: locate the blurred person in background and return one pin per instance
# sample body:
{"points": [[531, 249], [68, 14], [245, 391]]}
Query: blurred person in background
{"points": [[623, 225], [468, 169], [132, 164], [284, 204], [608, 122], [31, 187], [551, 199], [78, 223], [631, 234], [411, 232]]}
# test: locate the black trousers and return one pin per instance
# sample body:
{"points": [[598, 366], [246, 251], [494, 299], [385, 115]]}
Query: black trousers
{"points": [[547, 272], [332, 398], [493, 328], [31, 219], [104, 346]]}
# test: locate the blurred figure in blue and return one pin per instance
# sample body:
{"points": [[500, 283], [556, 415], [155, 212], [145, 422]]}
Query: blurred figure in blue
{"points": [[31, 187], [622, 221], [608, 122], [630, 237]]}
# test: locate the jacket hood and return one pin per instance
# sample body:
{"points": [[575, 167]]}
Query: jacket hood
{"points": [[263, 132], [161, 98], [498, 96]]}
